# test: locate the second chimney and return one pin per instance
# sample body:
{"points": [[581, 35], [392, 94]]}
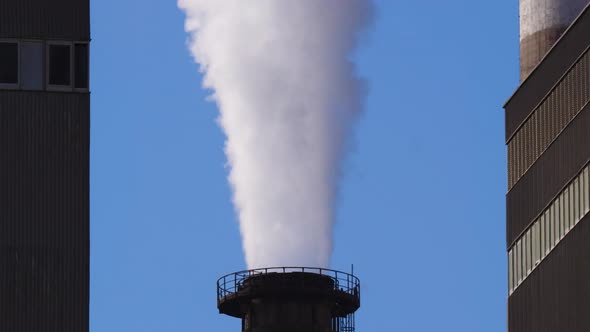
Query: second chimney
{"points": [[541, 24]]}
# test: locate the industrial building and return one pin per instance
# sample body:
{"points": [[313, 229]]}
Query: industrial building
{"points": [[548, 199], [44, 165]]}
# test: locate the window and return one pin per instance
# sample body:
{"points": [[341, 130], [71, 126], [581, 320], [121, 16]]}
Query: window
{"points": [[530, 246], [582, 188], [542, 241], [547, 232], [44, 65], [81, 66], [558, 219], [536, 244], [510, 271], [552, 219], [575, 205], [523, 247], [59, 65], [562, 215], [31, 65], [555, 221], [553, 224], [8, 63], [518, 263], [585, 192], [566, 211]]}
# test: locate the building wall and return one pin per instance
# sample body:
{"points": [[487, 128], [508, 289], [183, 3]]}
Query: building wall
{"points": [[546, 120], [44, 172], [540, 82], [45, 19], [548, 199], [44, 220], [548, 176], [556, 296]]}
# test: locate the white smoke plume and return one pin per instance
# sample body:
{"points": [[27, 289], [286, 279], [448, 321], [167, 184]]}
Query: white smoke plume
{"points": [[288, 94]]}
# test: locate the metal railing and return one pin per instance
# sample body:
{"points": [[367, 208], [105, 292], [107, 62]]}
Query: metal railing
{"points": [[233, 282], [343, 324]]}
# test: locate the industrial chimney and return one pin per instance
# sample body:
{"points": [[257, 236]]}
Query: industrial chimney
{"points": [[290, 299], [541, 24]]}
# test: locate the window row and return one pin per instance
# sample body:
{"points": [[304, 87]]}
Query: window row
{"points": [[39, 65], [566, 100], [555, 222]]}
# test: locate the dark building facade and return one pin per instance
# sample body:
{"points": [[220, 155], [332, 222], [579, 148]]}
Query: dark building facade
{"points": [[548, 199], [44, 165]]}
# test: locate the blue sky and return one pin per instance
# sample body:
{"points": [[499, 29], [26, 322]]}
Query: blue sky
{"points": [[421, 208]]}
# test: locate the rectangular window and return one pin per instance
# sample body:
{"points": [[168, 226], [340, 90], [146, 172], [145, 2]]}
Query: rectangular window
{"points": [[522, 259], [510, 272], [545, 234], [516, 265], [586, 192], [580, 197], [573, 205], [541, 241], [533, 246], [575, 201], [537, 243], [559, 218], [525, 256], [81, 67], [556, 223], [31, 63], [546, 220], [527, 253], [531, 241], [583, 193], [526, 245], [541, 223], [59, 67], [518, 261], [8, 63], [547, 231], [566, 211], [551, 226], [562, 205], [546, 240]]}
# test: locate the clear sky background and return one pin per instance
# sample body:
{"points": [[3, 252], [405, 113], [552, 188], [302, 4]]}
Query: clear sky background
{"points": [[421, 211]]}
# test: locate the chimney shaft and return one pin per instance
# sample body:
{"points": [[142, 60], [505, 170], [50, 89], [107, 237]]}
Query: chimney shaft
{"points": [[541, 23]]}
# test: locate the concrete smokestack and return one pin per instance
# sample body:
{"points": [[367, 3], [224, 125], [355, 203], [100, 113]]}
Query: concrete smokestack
{"points": [[541, 23]]}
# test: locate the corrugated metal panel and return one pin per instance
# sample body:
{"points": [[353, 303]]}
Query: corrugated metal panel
{"points": [[548, 176], [549, 119], [45, 19], [556, 221], [541, 81], [556, 296], [44, 289], [44, 219]]}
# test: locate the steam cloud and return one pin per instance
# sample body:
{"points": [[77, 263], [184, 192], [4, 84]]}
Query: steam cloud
{"points": [[288, 95]]}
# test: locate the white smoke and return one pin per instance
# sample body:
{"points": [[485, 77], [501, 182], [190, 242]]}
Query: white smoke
{"points": [[281, 75]]}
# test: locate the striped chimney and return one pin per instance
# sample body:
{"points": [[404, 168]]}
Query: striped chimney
{"points": [[541, 24]]}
